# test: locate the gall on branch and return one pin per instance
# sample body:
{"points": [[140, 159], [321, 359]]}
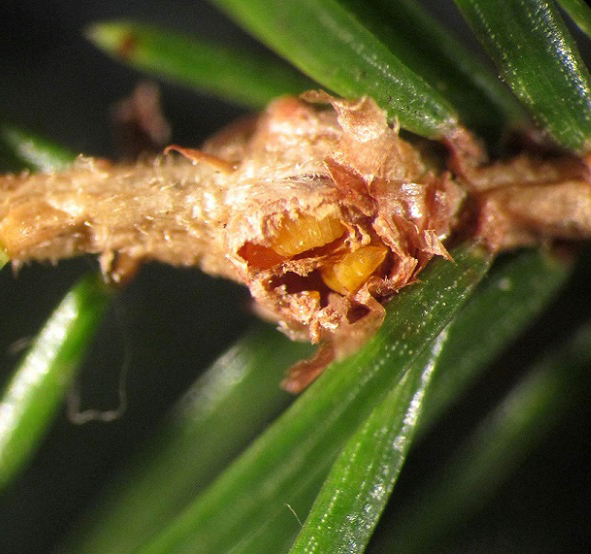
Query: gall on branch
{"points": [[318, 206]]}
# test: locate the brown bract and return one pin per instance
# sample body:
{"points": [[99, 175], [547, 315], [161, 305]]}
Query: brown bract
{"points": [[324, 212]]}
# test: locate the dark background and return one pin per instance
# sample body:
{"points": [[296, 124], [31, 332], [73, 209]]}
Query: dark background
{"points": [[173, 323]]}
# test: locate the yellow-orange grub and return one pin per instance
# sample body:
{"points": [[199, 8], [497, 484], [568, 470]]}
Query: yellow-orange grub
{"points": [[354, 269], [305, 233]]}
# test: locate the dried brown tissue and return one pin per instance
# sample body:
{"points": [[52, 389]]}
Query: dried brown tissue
{"points": [[323, 212]]}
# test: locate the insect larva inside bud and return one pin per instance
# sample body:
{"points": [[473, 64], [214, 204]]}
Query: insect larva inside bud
{"points": [[354, 268], [306, 232], [299, 205]]}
